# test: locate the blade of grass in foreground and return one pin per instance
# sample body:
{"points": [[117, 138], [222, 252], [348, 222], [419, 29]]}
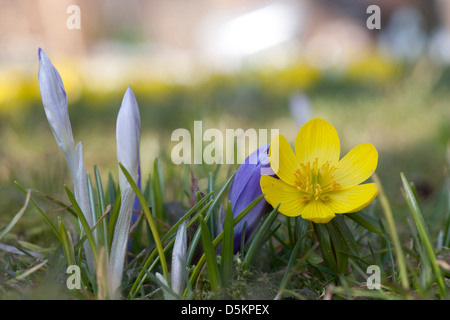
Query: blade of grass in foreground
{"points": [[226, 264], [17, 216], [46, 219], [67, 248], [423, 233], [83, 222], [102, 205], [366, 221], [150, 221], [210, 254], [254, 245], [393, 233], [288, 273], [219, 238], [145, 270], [158, 193], [215, 203]]}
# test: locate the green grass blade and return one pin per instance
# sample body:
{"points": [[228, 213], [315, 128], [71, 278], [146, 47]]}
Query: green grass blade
{"points": [[111, 190], [340, 246], [226, 264], [17, 216], [46, 219], [150, 221], [366, 221], [150, 261], [423, 234], [96, 214], [210, 255], [102, 204], [67, 248], [219, 238], [83, 222], [60, 203], [347, 234], [113, 219], [158, 192], [100, 221], [393, 234], [325, 246], [256, 241], [212, 221], [288, 273], [215, 203]]}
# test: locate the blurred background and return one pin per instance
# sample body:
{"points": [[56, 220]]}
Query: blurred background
{"points": [[233, 64]]}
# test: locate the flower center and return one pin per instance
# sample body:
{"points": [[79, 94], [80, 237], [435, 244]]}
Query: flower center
{"points": [[316, 183]]}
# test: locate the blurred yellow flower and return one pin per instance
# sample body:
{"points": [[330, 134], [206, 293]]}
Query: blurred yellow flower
{"points": [[313, 182]]}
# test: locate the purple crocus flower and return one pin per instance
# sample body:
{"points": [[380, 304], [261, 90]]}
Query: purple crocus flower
{"points": [[245, 188]]}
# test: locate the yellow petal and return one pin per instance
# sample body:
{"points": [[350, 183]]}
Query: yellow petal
{"points": [[317, 212], [282, 159], [352, 199], [277, 191], [357, 166], [317, 139]]}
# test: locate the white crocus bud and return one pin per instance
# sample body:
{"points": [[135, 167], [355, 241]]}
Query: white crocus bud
{"points": [[54, 99], [128, 129], [179, 272]]}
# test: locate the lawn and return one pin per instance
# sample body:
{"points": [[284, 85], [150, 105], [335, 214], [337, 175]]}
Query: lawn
{"points": [[401, 109]]}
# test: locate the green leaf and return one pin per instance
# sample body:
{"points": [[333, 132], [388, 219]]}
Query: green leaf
{"points": [[226, 265], [325, 246], [340, 247], [111, 190], [113, 219], [422, 230], [291, 264], [46, 219], [83, 222], [158, 192], [215, 203], [219, 238], [256, 240], [401, 262], [95, 210], [17, 216], [210, 255], [102, 204], [346, 233], [150, 261], [366, 221], [150, 221], [66, 245]]}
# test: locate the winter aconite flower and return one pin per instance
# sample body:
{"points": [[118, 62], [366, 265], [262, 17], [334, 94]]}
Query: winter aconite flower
{"points": [[313, 182]]}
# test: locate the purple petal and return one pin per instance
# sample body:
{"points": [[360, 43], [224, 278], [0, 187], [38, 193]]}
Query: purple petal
{"points": [[244, 189]]}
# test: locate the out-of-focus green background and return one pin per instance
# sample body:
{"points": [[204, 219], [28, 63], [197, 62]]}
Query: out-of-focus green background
{"points": [[232, 64]]}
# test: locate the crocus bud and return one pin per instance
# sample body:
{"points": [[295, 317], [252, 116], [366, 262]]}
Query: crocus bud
{"points": [[128, 130], [179, 272], [54, 99], [244, 189]]}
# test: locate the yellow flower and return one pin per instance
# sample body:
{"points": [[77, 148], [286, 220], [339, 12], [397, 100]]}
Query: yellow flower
{"points": [[313, 182]]}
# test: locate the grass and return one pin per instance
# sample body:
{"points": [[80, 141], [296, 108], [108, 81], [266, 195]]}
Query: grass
{"points": [[406, 231]]}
